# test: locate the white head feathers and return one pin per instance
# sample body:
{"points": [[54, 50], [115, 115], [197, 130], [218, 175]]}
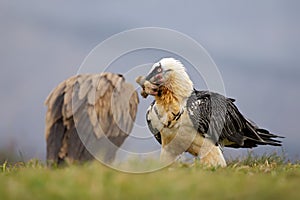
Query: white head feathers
{"points": [[171, 63], [177, 78]]}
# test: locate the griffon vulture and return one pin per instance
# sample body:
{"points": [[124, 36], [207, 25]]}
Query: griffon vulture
{"points": [[89, 115]]}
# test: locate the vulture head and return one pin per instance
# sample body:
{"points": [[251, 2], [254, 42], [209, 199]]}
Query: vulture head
{"points": [[167, 74]]}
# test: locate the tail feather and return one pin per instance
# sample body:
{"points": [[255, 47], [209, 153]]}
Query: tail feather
{"points": [[257, 136]]}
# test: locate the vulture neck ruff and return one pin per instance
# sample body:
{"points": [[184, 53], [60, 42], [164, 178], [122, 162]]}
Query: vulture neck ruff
{"points": [[176, 89]]}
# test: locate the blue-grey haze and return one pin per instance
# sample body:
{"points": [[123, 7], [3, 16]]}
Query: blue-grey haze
{"points": [[255, 45]]}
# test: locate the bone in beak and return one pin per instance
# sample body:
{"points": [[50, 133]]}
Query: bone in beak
{"points": [[141, 81]]}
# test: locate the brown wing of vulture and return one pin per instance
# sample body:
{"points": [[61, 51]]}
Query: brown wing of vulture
{"points": [[89, 114]]}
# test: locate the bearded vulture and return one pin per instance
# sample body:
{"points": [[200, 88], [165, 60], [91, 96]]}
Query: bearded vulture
{"points": [[89, 115], [184, 119]]}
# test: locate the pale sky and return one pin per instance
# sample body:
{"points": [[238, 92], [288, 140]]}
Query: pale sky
{"points": [[255, 45]]}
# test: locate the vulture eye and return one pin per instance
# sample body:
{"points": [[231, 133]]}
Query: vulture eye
{"points": [[159, 69]]}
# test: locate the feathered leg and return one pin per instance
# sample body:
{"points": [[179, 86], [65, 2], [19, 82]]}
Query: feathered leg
{"points": [[211, 155], [175, 144]]}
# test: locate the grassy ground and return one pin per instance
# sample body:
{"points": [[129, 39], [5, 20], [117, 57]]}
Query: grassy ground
{"points": [[266, 177]]}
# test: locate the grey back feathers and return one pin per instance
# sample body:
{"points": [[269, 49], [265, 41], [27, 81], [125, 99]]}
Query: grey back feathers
{"points": [[92, 110], [217, 118]]}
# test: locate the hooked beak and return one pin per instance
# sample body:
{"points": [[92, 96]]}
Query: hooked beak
{"points": [[155, 77]]}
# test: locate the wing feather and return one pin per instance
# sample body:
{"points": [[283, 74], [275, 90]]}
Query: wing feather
{"points": [[85, 108], [217, 118], [149, 118]]}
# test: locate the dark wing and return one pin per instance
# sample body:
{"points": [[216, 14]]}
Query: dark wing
{"points": [[217, 118], [87, 113], [153, 130]]}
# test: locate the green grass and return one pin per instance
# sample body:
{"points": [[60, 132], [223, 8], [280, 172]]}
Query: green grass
{"points": [[253, 177]]}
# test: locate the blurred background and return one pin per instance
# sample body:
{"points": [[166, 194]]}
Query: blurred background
{"points": [[255, 45]]}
